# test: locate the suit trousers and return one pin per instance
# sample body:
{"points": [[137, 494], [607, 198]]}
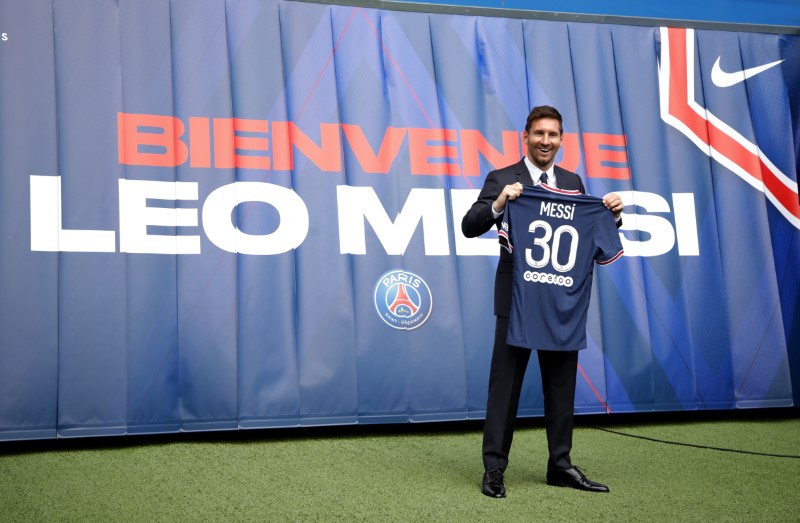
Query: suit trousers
{"points": [[558, 371]]}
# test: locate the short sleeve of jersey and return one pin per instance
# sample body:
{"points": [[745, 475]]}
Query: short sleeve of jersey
{"points": [[606, 237]]}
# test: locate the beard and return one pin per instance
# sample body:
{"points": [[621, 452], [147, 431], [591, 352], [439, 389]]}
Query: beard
{"points": [[540, 158]]}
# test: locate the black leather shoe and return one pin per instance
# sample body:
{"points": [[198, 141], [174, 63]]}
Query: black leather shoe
{"points": [[573, 478], [493, 485]]}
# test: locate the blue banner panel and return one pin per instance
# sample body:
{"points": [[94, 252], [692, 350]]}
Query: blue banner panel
{"points": [[152, 329], [246, 213], [28, 280], [92, 283]]}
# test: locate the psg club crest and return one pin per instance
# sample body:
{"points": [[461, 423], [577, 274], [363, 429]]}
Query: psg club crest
{"points": [[403, 299]]}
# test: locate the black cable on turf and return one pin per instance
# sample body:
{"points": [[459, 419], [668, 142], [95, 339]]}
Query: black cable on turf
{"points": [[792, 456]]}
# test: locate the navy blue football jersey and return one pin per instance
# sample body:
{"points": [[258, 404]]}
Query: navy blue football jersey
{"points": [[555, 237]]}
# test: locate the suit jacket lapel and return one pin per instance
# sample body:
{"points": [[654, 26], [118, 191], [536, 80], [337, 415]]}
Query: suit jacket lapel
{"points": [[567, 180], [522, 173], [561, 180]]}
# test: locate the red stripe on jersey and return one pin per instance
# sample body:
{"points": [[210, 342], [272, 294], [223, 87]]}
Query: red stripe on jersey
{"points": [[616, 256], [557, 190]]}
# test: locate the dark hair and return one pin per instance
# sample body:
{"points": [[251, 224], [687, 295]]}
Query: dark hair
{"points": [[544, 111]]}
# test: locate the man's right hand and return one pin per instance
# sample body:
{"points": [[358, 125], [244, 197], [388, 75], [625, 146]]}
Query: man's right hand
{"points": [[510, 192]]}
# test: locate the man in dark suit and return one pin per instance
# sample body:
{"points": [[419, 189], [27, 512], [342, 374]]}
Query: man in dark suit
{"points": [[542, 137]]}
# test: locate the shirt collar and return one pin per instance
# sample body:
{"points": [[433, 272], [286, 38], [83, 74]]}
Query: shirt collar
{"points": [[535, 172]]}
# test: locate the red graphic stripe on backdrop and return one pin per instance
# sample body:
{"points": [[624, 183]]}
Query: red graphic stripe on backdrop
{"points": [[714, 136], [591, 386]]}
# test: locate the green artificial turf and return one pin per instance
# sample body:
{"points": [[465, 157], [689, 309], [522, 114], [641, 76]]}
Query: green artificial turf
{"points": [[411, 474]]}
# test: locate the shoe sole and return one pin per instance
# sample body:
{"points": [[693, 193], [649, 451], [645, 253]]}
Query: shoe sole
{"points": [[564, 485]]}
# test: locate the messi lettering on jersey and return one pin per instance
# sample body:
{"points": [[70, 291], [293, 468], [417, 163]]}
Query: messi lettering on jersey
{"points": [[555, 238]]}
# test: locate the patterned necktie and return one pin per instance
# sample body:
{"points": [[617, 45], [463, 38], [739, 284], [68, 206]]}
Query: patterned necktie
{"points": [[543, 178]]}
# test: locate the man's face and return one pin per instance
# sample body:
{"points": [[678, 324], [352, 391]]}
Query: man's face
{"points": [[543, 141]]}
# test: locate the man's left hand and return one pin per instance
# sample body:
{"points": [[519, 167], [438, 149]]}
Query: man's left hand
{"points": [[613, 203]]}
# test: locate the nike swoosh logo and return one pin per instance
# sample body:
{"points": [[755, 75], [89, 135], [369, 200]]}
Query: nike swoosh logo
{"points": [[723, 79]]}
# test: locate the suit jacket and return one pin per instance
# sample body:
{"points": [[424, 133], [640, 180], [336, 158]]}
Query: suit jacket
{"points": [[479, 219]]}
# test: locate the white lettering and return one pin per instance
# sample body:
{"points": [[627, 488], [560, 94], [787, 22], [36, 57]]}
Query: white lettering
{"points": [[356, 206], [543, 277], [573, 248], [551, 254], [542, 242], [557, 210], [222, 232], [46, 231], [359, 203], [135, 216], [686, 224], [461, 200], [662, 235]]}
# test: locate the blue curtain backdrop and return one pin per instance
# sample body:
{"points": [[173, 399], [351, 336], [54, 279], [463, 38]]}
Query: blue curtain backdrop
{"points": [[246, 213]]}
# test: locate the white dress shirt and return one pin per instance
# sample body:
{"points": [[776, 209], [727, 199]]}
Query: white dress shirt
{"points": [[536, 173]]}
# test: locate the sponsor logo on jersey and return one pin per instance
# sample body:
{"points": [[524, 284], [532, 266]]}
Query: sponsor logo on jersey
{"points": [[552, 279], [402, 299], [502, 237]]}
